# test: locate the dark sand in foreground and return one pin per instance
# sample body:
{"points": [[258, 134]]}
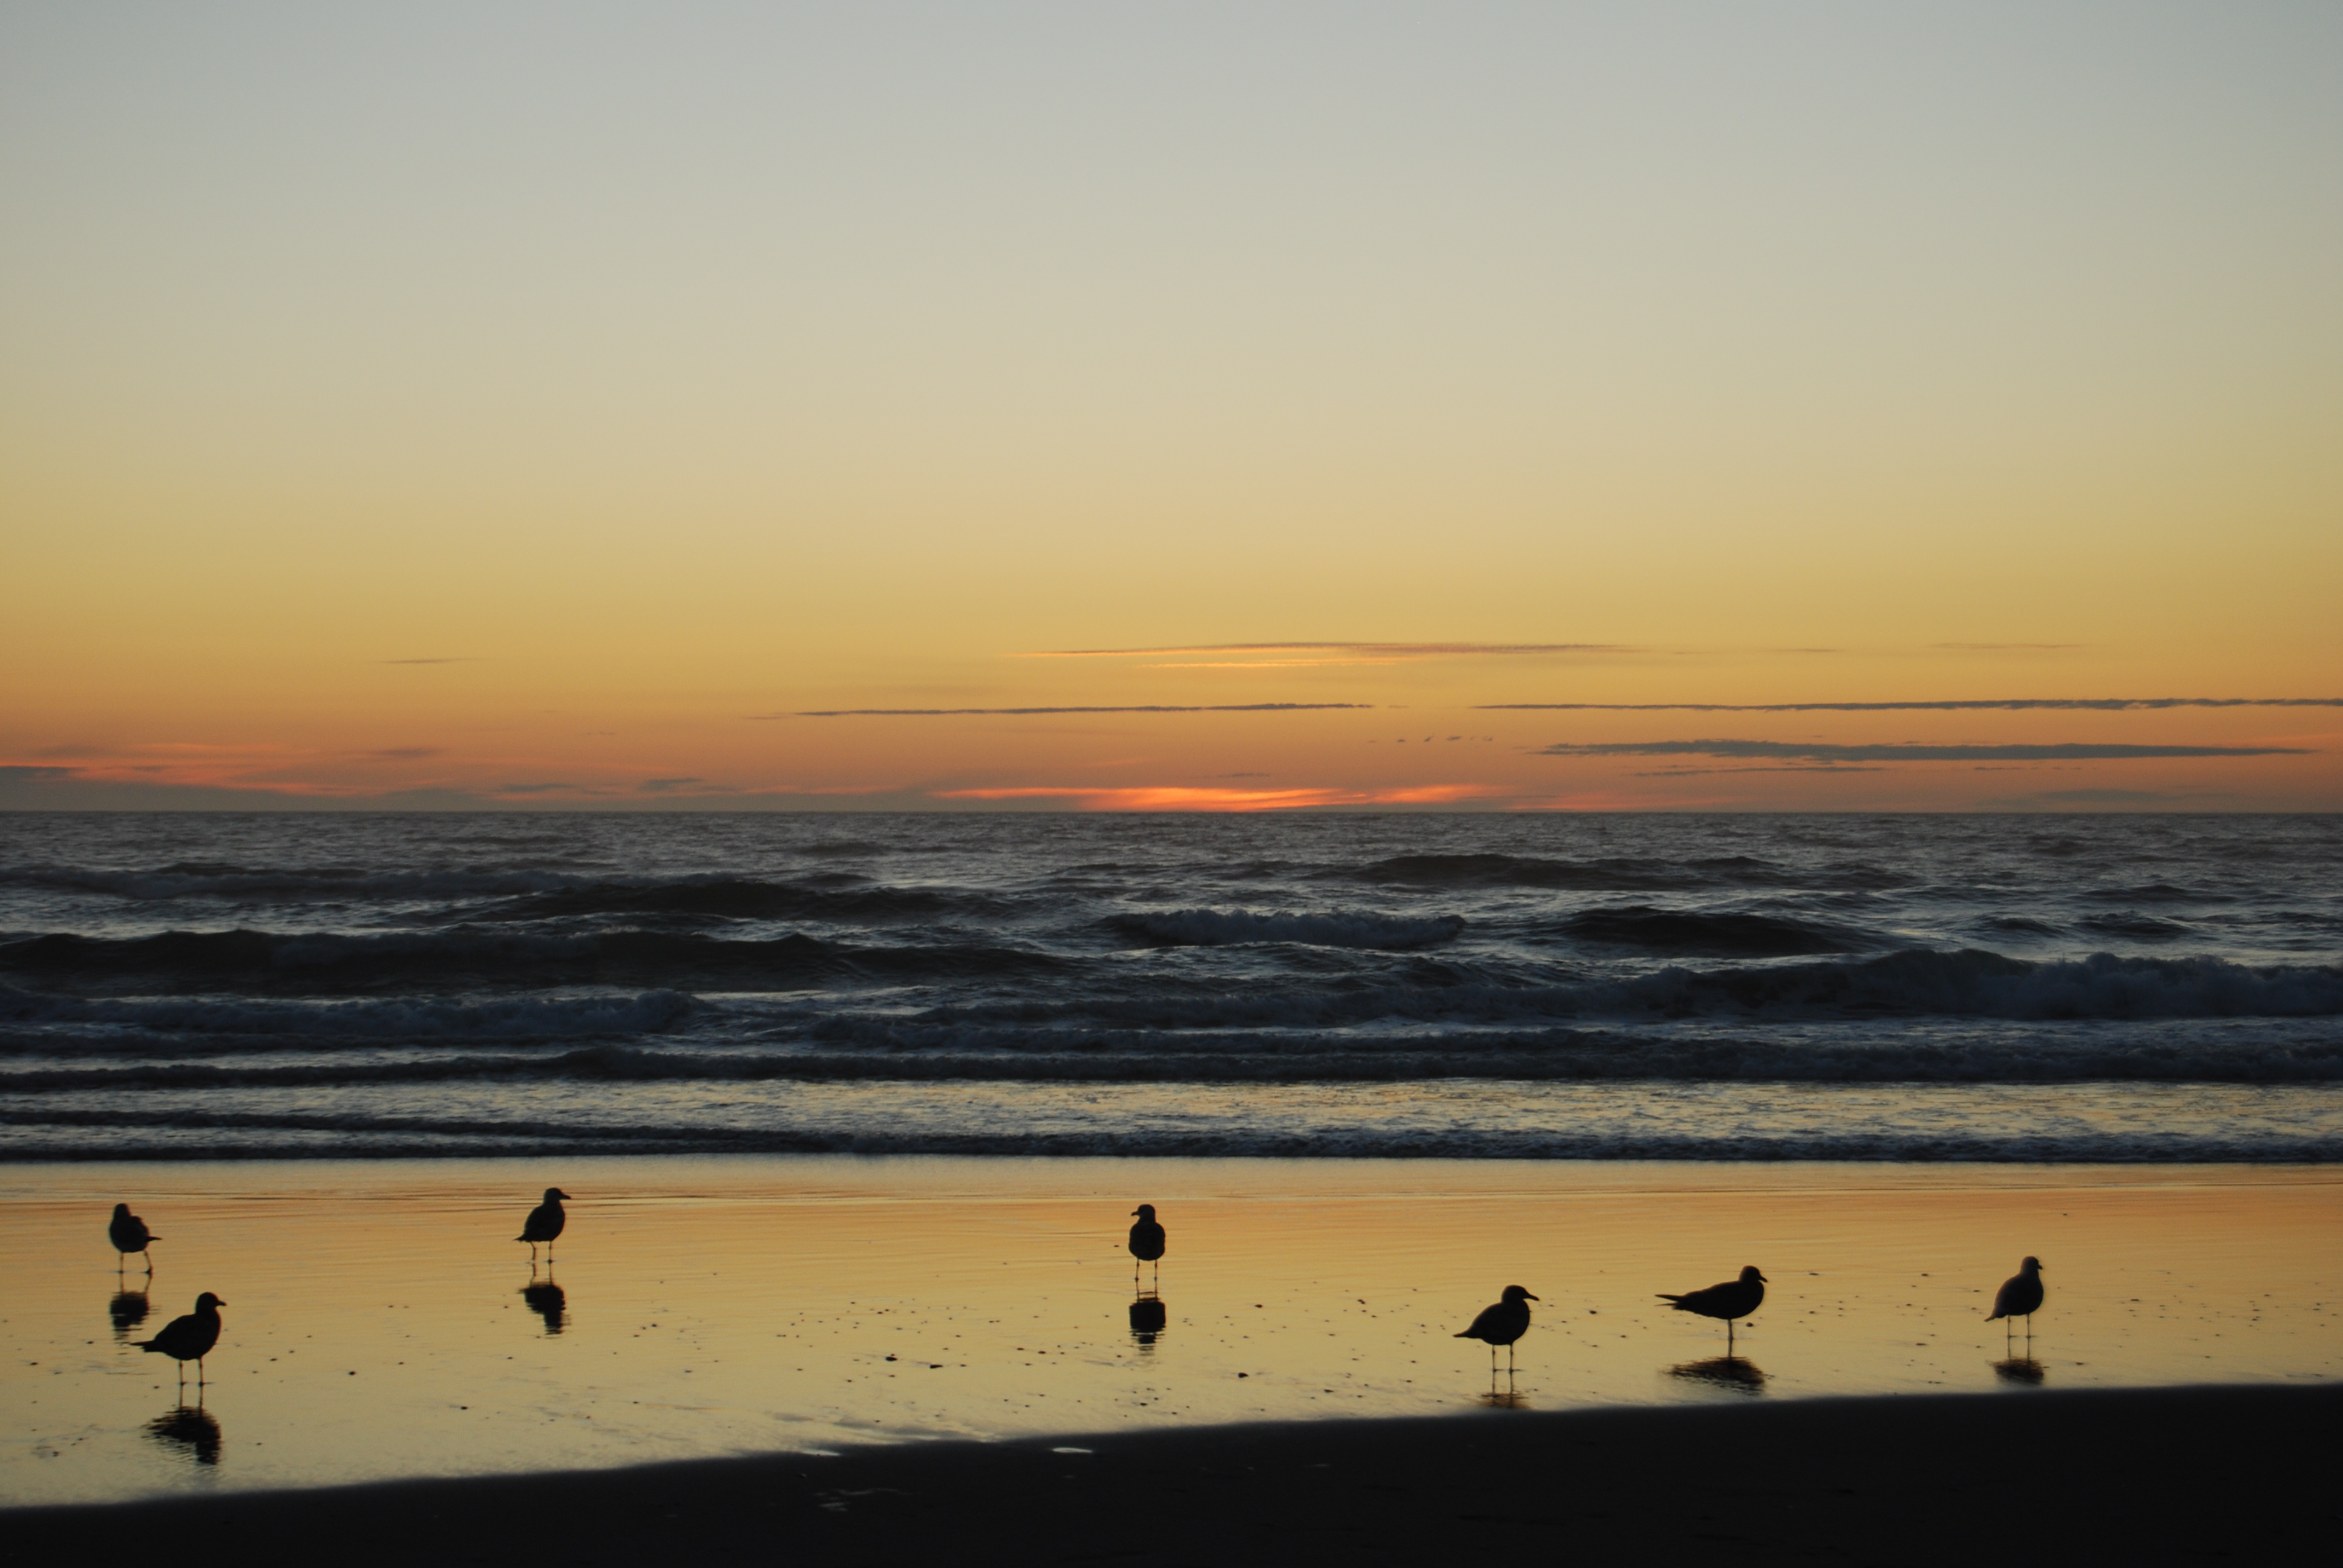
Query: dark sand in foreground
{"points": [[2151, 1474]]}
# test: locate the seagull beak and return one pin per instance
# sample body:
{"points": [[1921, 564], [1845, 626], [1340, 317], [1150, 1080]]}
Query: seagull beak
{"points": [[1532, 1298]]}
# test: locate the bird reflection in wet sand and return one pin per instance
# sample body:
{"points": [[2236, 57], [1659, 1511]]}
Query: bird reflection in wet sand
{"points": [[2019, 1369], [128, 1310], [1147, 1319], [1505, 1398], [1735, 1373], [190, 1427], [548, 1302]]}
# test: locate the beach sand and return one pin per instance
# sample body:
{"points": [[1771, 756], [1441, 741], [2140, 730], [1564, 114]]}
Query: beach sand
{"points": [[2157, 1475], [382, 1323]]}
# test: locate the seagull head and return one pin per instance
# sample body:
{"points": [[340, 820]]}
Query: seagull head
{"points": [[2032, 1265], [121, 1211], [208, 1302], [553, 1193], [1750, 1276], [1144, 1211], [1515, 1294]]}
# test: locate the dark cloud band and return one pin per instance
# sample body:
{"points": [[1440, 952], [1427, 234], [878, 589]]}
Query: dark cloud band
{"points": [[2088, 704], [1816, 751]]}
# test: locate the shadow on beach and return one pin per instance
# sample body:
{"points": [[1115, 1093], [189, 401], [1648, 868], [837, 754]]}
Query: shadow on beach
{"points": [[128, 1308], [549, 1301], [1738, 1374], [189, 1427], [1148, 1317]]}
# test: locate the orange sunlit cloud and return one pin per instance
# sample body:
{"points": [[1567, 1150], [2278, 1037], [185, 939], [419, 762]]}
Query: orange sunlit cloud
{"points": [[1175, 798]]}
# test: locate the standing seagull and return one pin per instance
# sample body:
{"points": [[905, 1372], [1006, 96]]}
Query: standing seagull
{"points": [[1501, 1324], [1146, 1244], [189, 1338], [544, 1223], [129, 1234], [1734, 1299], [2020, 1297]]}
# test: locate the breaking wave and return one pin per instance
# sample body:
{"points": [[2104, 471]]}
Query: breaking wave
{"points": [[1226, 927]]}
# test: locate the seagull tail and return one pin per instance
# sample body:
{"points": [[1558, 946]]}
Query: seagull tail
{"points": [[1673, 1300]]}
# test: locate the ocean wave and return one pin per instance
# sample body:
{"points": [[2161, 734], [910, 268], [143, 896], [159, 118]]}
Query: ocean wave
{"points": [[207, 879], [1226, 927], [744, 898], [471, 958], [900, 1053], [134, 1021], [1694, 931], [185, 1135]]}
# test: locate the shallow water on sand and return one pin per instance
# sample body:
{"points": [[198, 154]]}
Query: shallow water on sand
{"points": [[381, 1322]]}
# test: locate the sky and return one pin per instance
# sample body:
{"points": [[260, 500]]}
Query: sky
{"points": [[1098, 405]]}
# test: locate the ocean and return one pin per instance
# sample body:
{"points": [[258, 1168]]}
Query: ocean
{"points": [[2049, 988]]}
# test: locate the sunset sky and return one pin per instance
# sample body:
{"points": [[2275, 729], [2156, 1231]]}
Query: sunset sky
{"points": [[1097, 406]]}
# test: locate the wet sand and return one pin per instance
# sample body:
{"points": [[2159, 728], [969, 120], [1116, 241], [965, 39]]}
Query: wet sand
{"points": [[382, 1323], [2157, 1475]]}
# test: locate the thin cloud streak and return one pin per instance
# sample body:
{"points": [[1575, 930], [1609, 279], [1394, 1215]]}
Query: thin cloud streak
{"points": [[1378, 650], [2078, 704], [1014, 712], [1899, 751]]}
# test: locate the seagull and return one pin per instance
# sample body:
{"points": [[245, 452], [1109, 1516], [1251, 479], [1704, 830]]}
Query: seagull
{"points": [[544, 1223], [1734, 1299], [191, 1338], [129, 1234], [2020, 1296], [1146, 1244], [1501, 1324]]}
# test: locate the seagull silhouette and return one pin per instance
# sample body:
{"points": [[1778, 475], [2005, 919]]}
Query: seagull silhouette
{"points": [[2020, 1296], [189, 1338], [1501, 1324], [544, 1223], [129, 1234], [1734, 1299], [1146, 1244]]}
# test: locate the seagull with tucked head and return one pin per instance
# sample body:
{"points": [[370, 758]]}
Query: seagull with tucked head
{"points": [[2020, 1296], [129, 1234]]}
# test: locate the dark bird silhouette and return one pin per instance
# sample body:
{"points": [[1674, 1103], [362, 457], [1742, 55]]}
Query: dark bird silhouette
{"points": [[191, 1338], [2020, 1296], [1146, 1244], [544, 1223], [1734, 1299], [549, 1301], [129, 1234], [1501, 1324], [128, 1310], [2023, 1369], [1147, 1316]]}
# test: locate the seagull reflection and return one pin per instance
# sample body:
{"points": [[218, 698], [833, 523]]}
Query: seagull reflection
{"points": [[128, 1310], [1738, 1374], [1147, 1319], [547, 1301], [1505, 1398], [2019, 1369], [191, 1428]]}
